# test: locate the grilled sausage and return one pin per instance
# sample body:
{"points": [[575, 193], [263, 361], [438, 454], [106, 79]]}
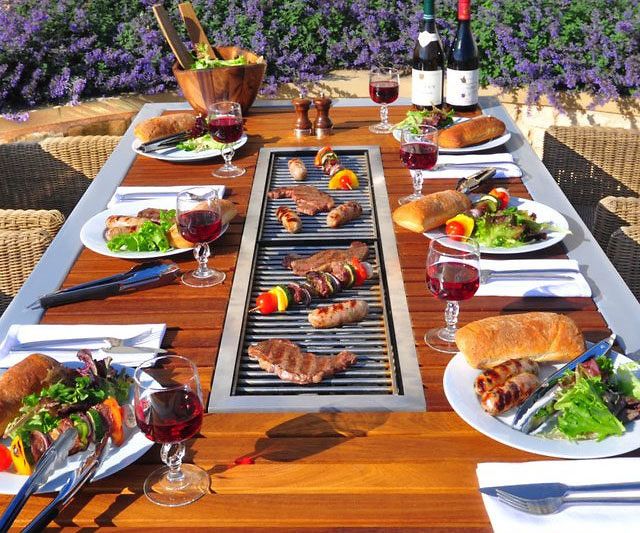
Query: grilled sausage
{"points": [[338, 314], [116, 221], [119, 230], [515, 391], [297, 169], [343, 214], [289, 219], [496, 376]]}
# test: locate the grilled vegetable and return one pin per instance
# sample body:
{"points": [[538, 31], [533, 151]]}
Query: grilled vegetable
{"points": [[267, 303], [341, 178], [115, 420], [461, 224], [344, 179], [502, 195], [19, 457], [5, 458]]}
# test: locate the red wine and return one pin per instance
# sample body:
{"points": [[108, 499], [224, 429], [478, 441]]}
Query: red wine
{"points": [[225, 129], [463, 64], [419, 156], [452, 280], [199, 225], [427, 75], [170, 416], [384, 92]]}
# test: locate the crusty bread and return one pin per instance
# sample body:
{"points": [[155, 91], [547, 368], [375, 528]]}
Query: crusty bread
{"points": [[228, 212], [431, 210], [28, 376], [157, 127], [474, 131], [543, 337]]}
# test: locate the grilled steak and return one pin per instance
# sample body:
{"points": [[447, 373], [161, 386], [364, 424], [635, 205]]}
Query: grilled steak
{"points": [[285, 359], [308, 199], [321, 262]]}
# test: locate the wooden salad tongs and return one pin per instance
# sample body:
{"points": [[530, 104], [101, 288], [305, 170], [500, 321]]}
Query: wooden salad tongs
{"points": [[171, 35], [194, 29]]}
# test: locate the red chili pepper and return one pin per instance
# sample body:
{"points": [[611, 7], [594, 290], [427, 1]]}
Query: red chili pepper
{"points": [[5, 458], [267, 303]]}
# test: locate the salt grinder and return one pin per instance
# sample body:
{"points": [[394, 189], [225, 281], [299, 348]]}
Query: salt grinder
{"points": [[303, 124], [322, 124]]}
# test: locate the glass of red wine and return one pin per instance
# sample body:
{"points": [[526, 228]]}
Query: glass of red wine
{"points": [[384, 87], [169, 410], [225, 126], [452, 274], [418, 152], [199, 221]]}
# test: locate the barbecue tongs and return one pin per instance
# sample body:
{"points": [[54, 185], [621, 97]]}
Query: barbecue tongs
{"points": [[164, 142], [466, 185]]}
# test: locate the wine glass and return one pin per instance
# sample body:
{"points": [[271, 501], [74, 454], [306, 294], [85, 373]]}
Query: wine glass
{"points": [[452, 274], [199, 221], [225, 126], [384, 87], [169, 410], [418, 152]]}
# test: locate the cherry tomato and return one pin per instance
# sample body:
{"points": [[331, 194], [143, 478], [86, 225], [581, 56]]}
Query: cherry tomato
{"points": [[5, 458], [454, 228], [502, 195], [345, 183], [361, 272], [267, 303]]}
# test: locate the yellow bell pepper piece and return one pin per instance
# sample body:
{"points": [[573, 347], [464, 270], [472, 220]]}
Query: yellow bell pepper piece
{"points": [[281, 297], [19, 458], [467, 222]]}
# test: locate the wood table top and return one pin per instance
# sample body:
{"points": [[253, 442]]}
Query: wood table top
{"points": [[313, 471]]}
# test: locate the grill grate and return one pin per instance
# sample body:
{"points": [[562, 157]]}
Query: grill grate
{"points": [[386, 374]]}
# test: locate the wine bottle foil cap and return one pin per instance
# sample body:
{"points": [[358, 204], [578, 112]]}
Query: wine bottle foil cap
{"points": [[464, 9]]}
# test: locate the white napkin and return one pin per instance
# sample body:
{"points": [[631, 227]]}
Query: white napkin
{"points": [[577, 286], [462, 166], [161, 192], [582, 518], [21, 333]]}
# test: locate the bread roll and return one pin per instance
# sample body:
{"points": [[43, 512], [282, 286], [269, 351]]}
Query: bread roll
{"points": [[543, 337], [157, 127], [474, 131], [228, 212], [431, 210], [29, 376]]}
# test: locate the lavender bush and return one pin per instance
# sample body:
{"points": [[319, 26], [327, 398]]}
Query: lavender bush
{"points": [[58, 51]]}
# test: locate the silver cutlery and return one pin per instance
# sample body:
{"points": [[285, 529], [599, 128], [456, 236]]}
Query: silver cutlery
{"points": [[80, 342], [132, 196], [133, 350], [487, 274]]}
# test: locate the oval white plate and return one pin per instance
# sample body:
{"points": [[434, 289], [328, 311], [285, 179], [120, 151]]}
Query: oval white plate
{"points": [[543, 213], [182, 156], [92, 233], [458, 388], [115, 459]]}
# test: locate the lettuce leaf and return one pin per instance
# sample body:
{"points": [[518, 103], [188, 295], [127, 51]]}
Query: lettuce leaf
{"points": [[629, 380], [151, 237], [200, 144]]}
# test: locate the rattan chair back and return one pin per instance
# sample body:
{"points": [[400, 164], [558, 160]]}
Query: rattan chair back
{"points": [[624, 252], [613, 213]]}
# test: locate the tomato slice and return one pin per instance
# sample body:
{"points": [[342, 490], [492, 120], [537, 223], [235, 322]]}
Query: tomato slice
{"points": [[117, 431], [267, 303], [5, 458], [454, 228]]}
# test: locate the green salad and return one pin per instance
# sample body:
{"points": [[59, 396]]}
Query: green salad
{"points": [[199, 144], [151, 237], [416, 119], [509, 228], [203, 61]]}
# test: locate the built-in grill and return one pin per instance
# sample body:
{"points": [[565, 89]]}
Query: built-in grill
{"points": [[386, 375]]}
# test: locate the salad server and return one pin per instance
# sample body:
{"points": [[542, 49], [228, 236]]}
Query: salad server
{"points": [[525, 412], [466, 185], [53, 458]]}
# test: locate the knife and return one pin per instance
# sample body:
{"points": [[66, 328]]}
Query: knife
{"points": [[601, 348], [536, 491], [48, 463], [82, 475], [132, 349]]}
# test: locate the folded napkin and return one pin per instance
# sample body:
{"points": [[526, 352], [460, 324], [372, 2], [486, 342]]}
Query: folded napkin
{"points": [[582, 518], [462, 166], [154, 193], [22, 333], [517, 286]]}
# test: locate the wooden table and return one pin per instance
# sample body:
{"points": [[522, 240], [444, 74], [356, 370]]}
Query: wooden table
{"points": [[311, 471]]}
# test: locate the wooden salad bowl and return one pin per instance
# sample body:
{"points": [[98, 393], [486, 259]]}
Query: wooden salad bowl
{"points": [[238, 84]]}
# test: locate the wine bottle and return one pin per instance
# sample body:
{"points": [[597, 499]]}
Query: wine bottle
{"points": [[463, 65], [427, 74]]}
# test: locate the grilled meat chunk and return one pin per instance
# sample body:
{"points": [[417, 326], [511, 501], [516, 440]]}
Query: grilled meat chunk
{"points": [[331, 316], [321, 262], [308, 199], [151, 213], [343, 213], [496, 376], [290, 220], [514, 392], [285, 359]]}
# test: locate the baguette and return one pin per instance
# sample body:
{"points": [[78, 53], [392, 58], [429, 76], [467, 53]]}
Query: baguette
{"points": [[29, 376], [543, 337], [431, 210], [228, 212], [158, 127], [474, 131]]}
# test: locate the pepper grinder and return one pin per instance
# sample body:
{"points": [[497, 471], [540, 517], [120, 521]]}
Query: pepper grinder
{"points": [[322, 124], [303, 124]]}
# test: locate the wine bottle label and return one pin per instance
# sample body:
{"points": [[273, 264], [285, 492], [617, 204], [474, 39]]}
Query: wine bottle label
{"points": [[426, 87], [426, 37], [462, 87]]}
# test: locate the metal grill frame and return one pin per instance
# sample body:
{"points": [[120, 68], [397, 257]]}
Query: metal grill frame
{"points": [[410, 396]]}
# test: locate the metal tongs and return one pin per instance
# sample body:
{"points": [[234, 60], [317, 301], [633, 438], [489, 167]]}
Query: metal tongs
{"points": [[466, 185], [164, 142], [48, 463]]}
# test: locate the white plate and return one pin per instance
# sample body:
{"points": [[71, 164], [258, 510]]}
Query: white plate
{"points": [[92, 233], [458, 388], [182, 156], [115, 459], [467, 149], [543, 213]]}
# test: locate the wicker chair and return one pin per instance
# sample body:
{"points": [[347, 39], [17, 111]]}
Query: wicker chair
{"points": [[624, 252], [51, 174], [24, 236], [590, 163], [611, 214]]}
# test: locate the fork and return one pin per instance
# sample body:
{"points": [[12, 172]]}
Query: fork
{"points": [[557, 494], [66, 344]]}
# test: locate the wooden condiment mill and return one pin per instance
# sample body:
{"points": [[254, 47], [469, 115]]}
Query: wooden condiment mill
{"points": [[322, 125], [303, 125]]}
